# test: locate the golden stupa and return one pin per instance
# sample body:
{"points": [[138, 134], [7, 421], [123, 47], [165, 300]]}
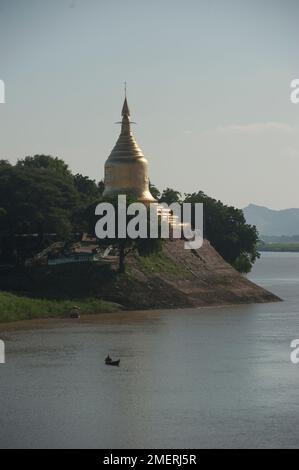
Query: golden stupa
{"points": [[126, 169]]}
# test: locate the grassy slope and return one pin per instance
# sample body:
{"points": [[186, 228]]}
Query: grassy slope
{"points": [[159, 263], [14, 307]]}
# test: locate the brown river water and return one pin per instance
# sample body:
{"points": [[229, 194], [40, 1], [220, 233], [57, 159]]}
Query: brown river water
{"points": [[194, 378]]}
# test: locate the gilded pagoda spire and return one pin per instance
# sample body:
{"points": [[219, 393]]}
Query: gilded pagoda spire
{"points": [[125, 123], [125, 110], [126, 169]]}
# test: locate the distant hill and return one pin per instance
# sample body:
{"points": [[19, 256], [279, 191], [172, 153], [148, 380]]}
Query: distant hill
{"points": [[273, 222]]}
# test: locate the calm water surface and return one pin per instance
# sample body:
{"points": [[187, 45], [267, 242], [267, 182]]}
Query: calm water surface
{"points": [[214, 377]]}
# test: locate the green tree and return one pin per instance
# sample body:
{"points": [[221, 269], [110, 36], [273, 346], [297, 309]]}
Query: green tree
{"points": [[170, 195], [154, 191], [39, 195], [45, 162], [87, 187], [126, 245], [4, 163], [226, 229], [90, 194], [101, 186], [36, 200]]}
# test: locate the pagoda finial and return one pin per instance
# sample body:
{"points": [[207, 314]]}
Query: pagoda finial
{"points": [[125, 111]]}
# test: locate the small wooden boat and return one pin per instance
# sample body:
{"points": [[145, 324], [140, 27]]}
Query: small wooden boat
{"points": [[113, 363], [109, 362]]}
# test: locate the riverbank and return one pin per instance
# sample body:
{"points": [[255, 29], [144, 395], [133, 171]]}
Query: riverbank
{"points": [[279, 247], [15, 308], [63, 321], [115, 317], [172, 279]]}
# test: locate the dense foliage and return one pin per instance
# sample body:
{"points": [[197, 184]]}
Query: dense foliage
{"points": [[40, 195], [226, 229], [125, 245]]}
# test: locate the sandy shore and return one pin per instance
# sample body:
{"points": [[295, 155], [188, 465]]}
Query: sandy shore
{"points": [[117, 317], [58, 322]]}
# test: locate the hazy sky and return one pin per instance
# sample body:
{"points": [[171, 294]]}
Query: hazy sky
{"points": [[208, 84]]}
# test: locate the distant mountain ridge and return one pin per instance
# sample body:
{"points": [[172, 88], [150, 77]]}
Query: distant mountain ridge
{"points": [[273, 222]]}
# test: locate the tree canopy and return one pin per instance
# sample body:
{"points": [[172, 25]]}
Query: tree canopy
{"points": [[226, 229], [170, 195], [40, 195], [124, 244]]}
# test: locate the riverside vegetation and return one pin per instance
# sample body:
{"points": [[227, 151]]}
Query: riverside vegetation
{"points": [[41, 201]]}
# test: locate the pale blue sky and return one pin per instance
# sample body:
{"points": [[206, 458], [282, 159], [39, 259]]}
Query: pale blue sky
{"points": [[208, 84]]}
